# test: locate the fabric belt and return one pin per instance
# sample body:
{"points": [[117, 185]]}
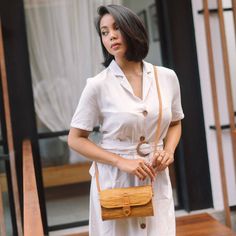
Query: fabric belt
{"points": [[120, 147]]}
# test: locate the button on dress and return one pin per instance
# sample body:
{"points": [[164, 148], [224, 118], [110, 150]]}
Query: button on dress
{"points": [[108, 101]]}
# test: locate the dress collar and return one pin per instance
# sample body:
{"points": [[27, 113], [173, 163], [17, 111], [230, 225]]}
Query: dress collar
{"points": [[116, 70], [148, 75]]}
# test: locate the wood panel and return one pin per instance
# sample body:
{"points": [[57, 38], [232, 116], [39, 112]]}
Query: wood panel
{"points": [[66, 174], [32, 215], [60, 175]]}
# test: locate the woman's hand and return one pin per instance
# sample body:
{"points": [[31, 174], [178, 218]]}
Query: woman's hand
{"points": [[162, 159], [137, 167]]}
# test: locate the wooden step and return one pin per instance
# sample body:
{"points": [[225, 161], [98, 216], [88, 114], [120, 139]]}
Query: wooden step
{"points": [[59, 175]]}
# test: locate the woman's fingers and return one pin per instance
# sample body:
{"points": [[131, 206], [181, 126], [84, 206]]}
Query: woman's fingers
{"points": [[163, 159], [139, 174], [151, 169], [154, 161], [138, 169], [144, 170], [142, 173], [170, 160], [148, 170], [160, 158]]}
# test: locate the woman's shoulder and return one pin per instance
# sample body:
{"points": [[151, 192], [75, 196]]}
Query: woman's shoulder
{"points": [[98, 78], [166, 70], [168, 75], [98, 81], [162, 71]]}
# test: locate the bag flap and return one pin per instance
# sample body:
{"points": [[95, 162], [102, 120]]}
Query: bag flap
{"points": [[118, 197]]}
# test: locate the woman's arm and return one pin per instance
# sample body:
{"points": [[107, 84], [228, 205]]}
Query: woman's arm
{"points": [[165, 157], [78, 140]]}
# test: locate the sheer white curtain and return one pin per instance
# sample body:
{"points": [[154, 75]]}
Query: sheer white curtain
{"points": [[64, 50]]}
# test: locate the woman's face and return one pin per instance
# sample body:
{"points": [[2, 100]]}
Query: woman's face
{"points": [[112, 38]]}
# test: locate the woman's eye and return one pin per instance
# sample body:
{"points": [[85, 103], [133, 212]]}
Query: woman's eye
{"points": [[104, 33]]}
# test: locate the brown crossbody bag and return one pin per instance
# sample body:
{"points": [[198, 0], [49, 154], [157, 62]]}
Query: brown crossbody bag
{"points": [[127, 202]]}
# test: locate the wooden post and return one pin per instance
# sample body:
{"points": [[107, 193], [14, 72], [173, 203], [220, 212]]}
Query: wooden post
{"points": [[9, 135], [216, 113], [227, 80], [2, 221], [234, 15]]}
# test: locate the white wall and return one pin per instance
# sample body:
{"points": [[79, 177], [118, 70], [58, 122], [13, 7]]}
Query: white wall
{"points": [[207, 97], [154, 55]]}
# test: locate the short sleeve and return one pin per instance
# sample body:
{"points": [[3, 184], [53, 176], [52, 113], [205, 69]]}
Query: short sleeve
{"points": [[176, 107], [86, 116]]}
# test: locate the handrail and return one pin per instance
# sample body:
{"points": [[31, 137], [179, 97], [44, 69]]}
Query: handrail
{"points": [[32, 215]]}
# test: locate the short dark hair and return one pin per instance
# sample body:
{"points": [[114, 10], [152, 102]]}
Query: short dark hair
{"points": [[132, 29]]}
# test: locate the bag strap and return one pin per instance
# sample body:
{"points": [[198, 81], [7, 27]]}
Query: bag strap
{"points": [[158, 132], [96, 175], [158, 126]]}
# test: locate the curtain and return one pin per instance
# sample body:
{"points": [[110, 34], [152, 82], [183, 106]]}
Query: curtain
{"points": [[64, 50]]}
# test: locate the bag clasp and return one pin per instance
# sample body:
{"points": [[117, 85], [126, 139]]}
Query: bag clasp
{"points": [[126, 206]]}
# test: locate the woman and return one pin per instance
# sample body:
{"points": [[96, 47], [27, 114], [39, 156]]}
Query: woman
{"points": [[123, 100]]}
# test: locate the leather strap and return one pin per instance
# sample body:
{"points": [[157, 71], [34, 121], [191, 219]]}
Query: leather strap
{"points": [[158, 126], [97, 177], [160, 110]]}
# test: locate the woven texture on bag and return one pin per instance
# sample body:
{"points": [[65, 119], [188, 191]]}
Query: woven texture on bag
{"points": [[126, 202]]}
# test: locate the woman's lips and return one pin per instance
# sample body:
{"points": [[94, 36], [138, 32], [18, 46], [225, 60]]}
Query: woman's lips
{"points": [[115, 45]]}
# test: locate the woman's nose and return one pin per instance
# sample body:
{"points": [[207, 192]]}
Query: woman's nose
{"points": [[113, 35]]}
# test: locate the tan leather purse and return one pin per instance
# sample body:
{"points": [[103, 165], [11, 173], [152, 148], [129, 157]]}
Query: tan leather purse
{"points": [[131, 201]]}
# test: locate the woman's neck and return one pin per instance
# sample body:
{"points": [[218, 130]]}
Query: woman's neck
{"points": [[130, 67]]}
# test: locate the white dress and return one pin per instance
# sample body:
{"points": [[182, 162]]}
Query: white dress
{"points": [[108, 100]]}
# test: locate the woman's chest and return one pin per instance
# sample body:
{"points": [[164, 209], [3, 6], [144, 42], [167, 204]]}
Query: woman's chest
{"points": [[120, 105]]}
